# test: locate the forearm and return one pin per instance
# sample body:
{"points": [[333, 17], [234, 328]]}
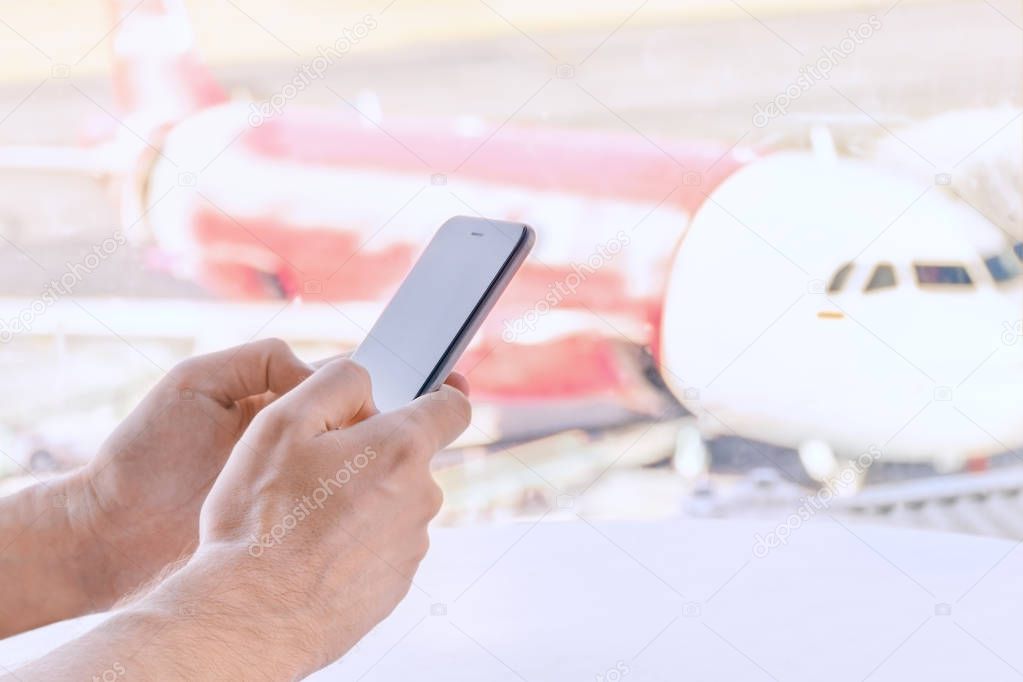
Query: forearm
{"points": [[202, 623], [46, 563]]}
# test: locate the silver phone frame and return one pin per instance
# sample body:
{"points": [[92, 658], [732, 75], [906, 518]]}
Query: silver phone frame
{"points": [[486, 303]]}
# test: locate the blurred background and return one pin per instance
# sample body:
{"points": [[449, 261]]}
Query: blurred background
{"points": [[778, 268]]}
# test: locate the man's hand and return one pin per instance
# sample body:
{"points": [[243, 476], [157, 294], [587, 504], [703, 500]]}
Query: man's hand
{"points": [[79, 542], [329, 509], [309, 537], [140, 497]]}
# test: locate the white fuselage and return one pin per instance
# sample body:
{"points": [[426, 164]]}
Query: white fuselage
{"points": [[755, 345]]}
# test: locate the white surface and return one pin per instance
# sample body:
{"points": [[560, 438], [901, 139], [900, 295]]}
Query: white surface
{"points": [[569, 601]]}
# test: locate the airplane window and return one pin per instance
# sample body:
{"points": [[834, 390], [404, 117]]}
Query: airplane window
{"points": [[882, 278], [838, 281], [955, 275], [1003, 267]]}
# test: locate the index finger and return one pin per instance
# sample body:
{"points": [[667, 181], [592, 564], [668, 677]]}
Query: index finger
{"points": [[336, 395]]}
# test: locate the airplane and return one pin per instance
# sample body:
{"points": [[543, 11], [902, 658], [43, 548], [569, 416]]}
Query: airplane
{"points": [[830, 307], [332, 206]]}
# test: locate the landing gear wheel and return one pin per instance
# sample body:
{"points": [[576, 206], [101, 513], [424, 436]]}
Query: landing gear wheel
{"points": [[691, 459], [818, 460]]}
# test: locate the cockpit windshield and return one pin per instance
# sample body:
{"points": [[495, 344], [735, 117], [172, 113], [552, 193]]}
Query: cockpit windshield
{"points": [[1003, 267], [840, 278], [942, 275], [883, 277]]}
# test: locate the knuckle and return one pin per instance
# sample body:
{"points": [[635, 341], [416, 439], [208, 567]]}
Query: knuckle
{"points": [[434, 499], [274, 346], [350, 372], [356, 373], [186, 374], [462, 408], [275, 419], [406, 585], [422, 544]]}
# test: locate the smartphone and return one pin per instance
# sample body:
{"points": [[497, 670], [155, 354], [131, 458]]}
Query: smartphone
{"points": [[440, 305]]}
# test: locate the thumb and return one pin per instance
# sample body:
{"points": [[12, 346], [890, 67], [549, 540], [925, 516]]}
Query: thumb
{"points": [[337, 394]]}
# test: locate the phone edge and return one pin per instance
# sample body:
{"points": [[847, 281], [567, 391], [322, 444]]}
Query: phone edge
{"points": [[472, 325]]}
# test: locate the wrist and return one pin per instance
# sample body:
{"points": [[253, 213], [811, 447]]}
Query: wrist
{"points": [[44, 559], [190, 627], [120, 548], [220, 604], [91, 535]]}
